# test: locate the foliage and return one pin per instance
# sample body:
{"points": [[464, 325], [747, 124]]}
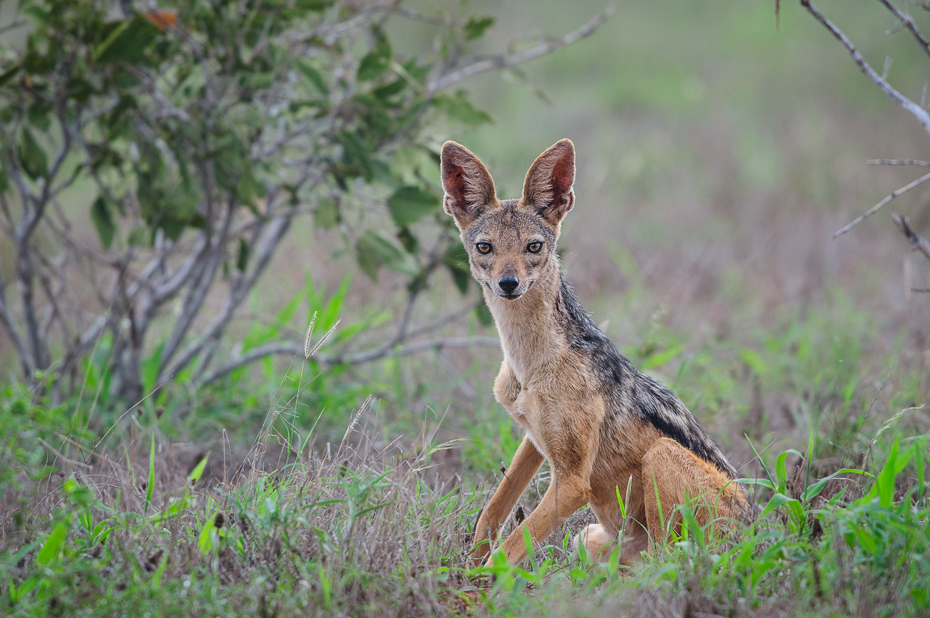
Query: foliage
{"points": [[349, 532], [193, 135]]}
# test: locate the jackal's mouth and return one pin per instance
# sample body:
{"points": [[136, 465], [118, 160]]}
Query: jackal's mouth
{"points": [[515, 295]]}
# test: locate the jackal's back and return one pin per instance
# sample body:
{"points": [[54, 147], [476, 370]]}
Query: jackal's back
{"points": [[629, 393]]}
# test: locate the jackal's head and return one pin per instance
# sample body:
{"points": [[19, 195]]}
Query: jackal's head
{"points": [[510, 243]]}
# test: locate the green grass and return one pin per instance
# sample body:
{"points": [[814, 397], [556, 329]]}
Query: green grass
{"points": [[331, 520], [348, 529]]}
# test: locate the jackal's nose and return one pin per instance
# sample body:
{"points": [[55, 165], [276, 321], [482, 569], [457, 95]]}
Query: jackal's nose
{"points": [[508, 283]]}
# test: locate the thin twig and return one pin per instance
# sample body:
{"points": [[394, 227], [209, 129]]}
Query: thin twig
{"points": [[293, 348], [919, 243], [874, 209], [916, 110], [898, 162], [474, 64], [908, 22]]}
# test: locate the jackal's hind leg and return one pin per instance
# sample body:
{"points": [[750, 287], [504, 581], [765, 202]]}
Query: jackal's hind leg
{"points": [[671, 476]]}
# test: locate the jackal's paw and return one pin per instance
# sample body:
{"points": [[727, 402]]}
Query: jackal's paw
{"points": [[594, 538], [506, 387]]}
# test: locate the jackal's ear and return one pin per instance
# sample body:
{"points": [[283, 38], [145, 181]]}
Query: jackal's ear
{"points": [[467, 184], [548, 185]]}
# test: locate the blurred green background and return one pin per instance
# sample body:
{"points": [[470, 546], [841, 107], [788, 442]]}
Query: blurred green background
{"points": [[718, 149]]}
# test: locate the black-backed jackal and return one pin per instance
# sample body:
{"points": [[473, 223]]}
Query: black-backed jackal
{"points": [[602, 424]]}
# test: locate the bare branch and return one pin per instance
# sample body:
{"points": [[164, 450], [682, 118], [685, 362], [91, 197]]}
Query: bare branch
{"points": [[479, 64], [908, 22], [913, 108], [874, 209], [269, 242], [199, 289], [898, 162], [918, 242], [7, 319], [12, 26], [296, 348]]}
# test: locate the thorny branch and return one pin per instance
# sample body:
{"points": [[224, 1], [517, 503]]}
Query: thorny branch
{"points": [[919, 243], [874, 209], [908, 22], [914, 109], [913, 162]]}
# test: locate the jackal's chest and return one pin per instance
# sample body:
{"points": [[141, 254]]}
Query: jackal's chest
{"points": [[527, 411]]}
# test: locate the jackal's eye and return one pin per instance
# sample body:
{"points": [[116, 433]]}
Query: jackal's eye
{"points": [[534, 247], [483, 248]]}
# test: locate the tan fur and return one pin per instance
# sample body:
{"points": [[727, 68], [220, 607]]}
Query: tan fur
{"points": [[552, 390]]}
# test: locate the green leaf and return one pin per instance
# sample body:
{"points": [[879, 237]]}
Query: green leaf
{"points": [[814, 489], [659, 359], [102, 219], [31, 156], [484, 315], [330, 312], [248, 188], [51, 549], [39, 14], [138, 236], [476, 25], [16, 594], [753, 360], [149, 368], [459, 108], [355, 153], [40, 115], [391, 89], [375, 61], [886, 478], [373, 249], [197, 472], [160, 571], [173, 510], [208, 536], [242, 255], [455, 260], [781, 472], [313, 5], [126, 42], [776, 501], [313, 75], [151, 481], [4, 178], [409, 204], [9, 74], [761, 482], [326, 214]]}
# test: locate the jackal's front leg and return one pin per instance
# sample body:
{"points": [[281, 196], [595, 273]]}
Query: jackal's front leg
{"points": [[526, 462], [565, 495]]}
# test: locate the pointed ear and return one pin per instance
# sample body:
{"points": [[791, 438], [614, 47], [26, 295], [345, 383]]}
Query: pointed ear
{"points": [[467, 184], [548, 185]]}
